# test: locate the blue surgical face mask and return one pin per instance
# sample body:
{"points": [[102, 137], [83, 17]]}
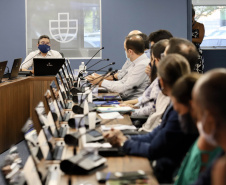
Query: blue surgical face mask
{"points": [[44, 48], [127, 57]]}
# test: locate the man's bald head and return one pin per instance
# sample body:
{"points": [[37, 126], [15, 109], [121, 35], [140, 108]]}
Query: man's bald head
{"points": [[184, 48], [210, 93], [135, 43], [134, 32]]}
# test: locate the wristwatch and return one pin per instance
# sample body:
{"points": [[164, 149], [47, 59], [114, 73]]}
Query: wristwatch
{"points": [[113, 75]]}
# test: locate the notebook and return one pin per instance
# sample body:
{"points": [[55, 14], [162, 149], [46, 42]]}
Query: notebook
{"points": [[47, 66]]}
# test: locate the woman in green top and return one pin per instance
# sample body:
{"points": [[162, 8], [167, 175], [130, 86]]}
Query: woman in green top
{"points": [[201, 153]]}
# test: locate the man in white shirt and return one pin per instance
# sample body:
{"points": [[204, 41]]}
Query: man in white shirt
{"points": [[136, 80], [43, 51]]}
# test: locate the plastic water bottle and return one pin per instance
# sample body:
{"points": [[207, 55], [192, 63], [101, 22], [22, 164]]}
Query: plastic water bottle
{"points": [[82, 67]]}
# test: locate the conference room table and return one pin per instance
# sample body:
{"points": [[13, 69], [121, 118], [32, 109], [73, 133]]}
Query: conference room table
{"points": [[19, 97]]}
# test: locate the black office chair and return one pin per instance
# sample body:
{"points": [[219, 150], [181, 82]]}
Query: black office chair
{"points": [[62, 54], [138, 121]]}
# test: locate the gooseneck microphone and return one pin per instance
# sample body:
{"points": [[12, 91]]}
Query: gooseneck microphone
{"points": [[29, 60], [72, 139], [80, 73], [98, 62], [113, 63], [113, 72], [93, 56], [77, 108]]}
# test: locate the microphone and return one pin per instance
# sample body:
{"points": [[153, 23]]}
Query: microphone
{"points": [[80, 73], [72, 139], [29, 60], [93, 56], [77, 109], [113, 72], [97, 63], [76, 90], [79, 90], [113, 63]]}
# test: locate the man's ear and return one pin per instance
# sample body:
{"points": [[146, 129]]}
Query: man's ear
{"points": [[210, 122], [161, 83], [130, 51], [156, 61]]}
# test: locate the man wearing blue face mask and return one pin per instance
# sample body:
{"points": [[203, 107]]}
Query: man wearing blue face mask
{"points": [[43, 51]]}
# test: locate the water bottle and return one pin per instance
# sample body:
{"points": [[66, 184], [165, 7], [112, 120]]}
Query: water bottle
{"points": [[82, 67]]}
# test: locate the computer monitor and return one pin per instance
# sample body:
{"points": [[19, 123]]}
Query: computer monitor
{"points": [[15, 68], [2, 69], [47, 66]]}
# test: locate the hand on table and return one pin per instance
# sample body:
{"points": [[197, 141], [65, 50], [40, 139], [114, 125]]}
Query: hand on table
{"points": [[115, 137]]}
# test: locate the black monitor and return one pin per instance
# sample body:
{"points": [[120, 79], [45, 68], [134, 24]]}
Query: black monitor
{"points": [[2, 69], [15, 68], [47, 66]]}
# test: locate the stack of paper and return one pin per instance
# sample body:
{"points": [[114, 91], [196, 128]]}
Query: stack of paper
{"points": [[111, 115], [115, 109], [118, 127]]}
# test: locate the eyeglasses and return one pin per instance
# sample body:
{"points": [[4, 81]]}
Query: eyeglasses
{"points": [[44, 43]]}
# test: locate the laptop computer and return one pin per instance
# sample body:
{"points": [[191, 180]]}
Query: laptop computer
{"points": [[65, 93], [2, 69], [60, 129], [14, 70], [68, 65], [39, 152], [64, 115], [65, 103], [68, 77], [47, 66]]}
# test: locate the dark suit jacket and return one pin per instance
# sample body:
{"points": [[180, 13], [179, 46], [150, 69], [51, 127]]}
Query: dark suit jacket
{"points": [[166, 144]]}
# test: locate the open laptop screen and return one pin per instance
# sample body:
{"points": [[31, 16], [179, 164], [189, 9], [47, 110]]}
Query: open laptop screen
{"points": [[2, 69], [47, 66], [15, 68]]}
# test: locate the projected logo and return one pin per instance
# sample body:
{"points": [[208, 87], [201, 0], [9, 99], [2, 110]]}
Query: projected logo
{"points": [[64, 29]]}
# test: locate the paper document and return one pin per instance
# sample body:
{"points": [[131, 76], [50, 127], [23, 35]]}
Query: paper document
{"points": [[111, 115], [115, 109], [118, 127], [97, 145]]}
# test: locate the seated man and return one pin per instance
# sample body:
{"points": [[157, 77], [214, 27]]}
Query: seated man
{"points": [[208, 102], [147, 50], [184, 48], [147, 102], [43, 51], [166, 144], [153, 38], [122, 72], [135, 82]]}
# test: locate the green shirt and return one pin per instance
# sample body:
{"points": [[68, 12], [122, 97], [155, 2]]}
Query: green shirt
{"points": [[192, 164]]}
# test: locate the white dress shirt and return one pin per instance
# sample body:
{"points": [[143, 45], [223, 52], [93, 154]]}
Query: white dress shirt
{"points": [[155, 119], [28, 62], [122, 72], [134, 82], [147, 107]]}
